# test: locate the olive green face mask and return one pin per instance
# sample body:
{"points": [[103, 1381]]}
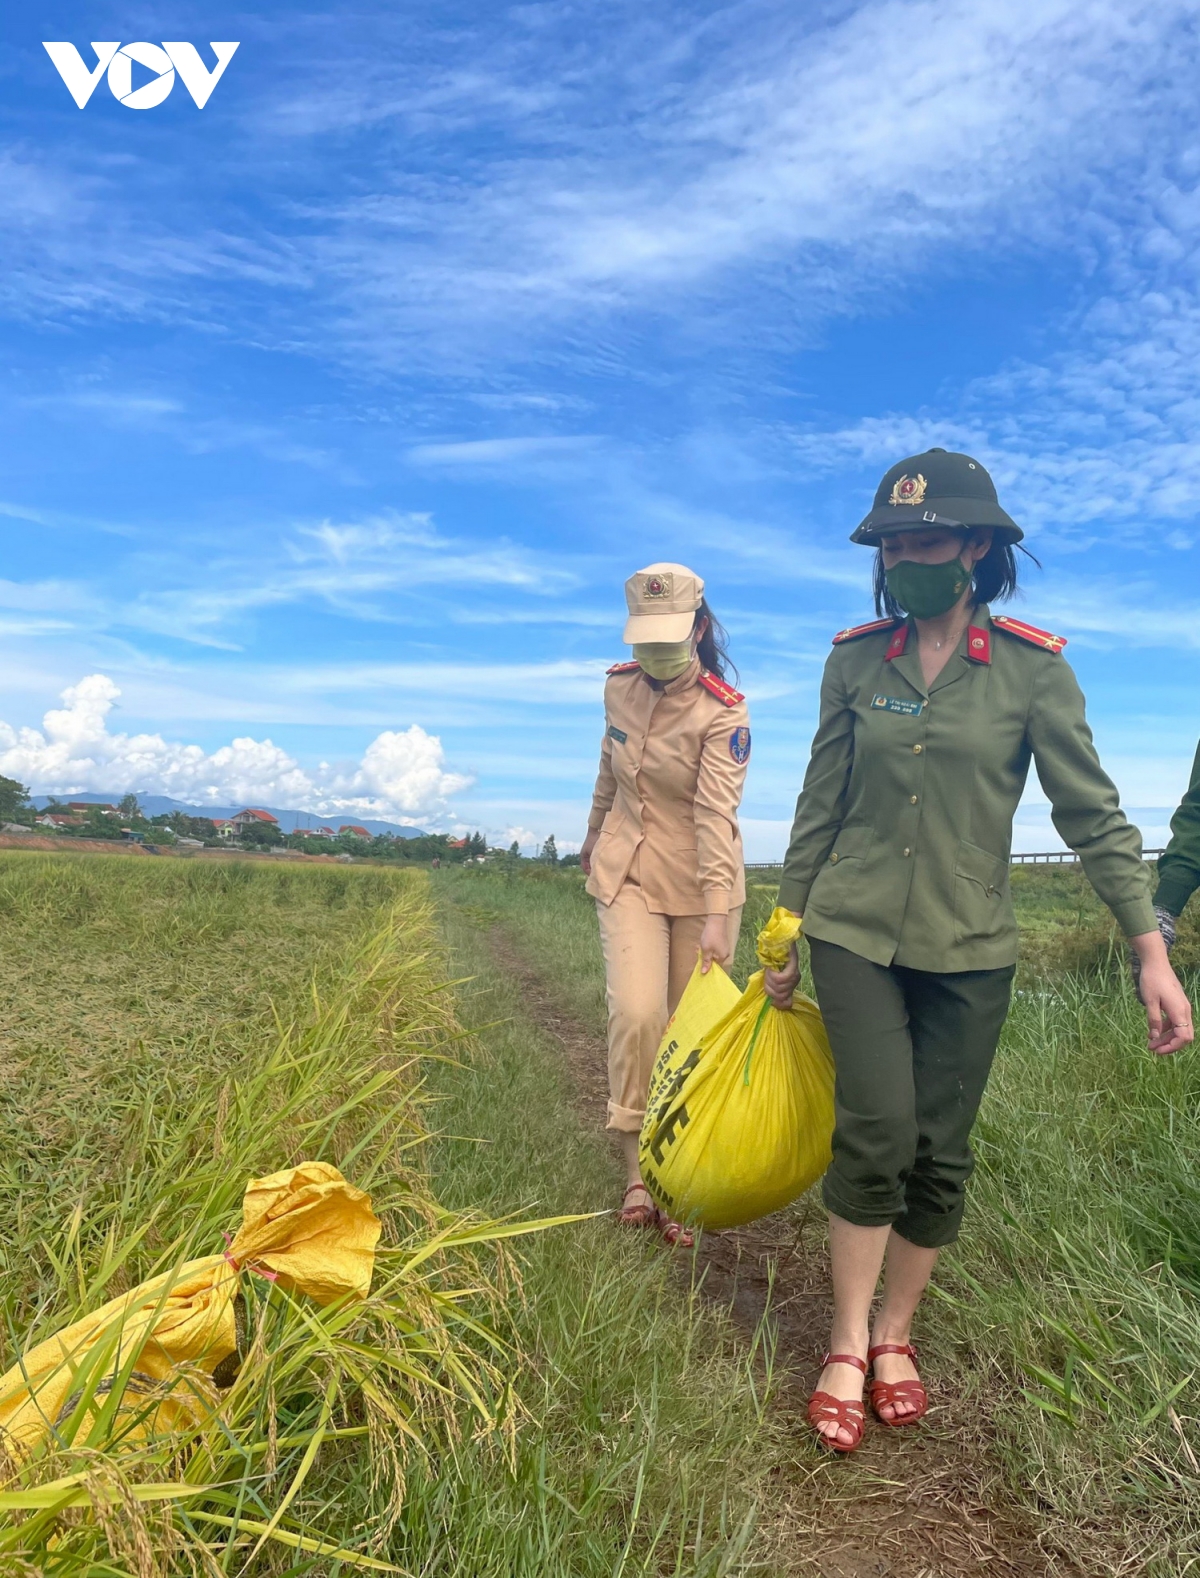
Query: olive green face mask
{"points": [[927, 590], [663, 660]]}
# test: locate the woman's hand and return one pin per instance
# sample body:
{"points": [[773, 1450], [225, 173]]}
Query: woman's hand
{"points": [[714, 942], [585, 850], [1168, 1012], [780, 984]]}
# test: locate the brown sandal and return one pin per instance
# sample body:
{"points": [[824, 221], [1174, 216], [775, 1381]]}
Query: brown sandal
{"points": [[638, 1215], [845, 1412], [888, 1393]]}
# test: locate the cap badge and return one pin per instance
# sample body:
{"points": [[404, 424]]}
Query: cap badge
{"points": [[909, 490], [657, 586]]}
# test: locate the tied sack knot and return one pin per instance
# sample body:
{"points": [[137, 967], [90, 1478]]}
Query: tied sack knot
{"points": [[776, 938]]}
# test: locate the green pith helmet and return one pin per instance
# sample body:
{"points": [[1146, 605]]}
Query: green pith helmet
{"points": [[938, 488]]}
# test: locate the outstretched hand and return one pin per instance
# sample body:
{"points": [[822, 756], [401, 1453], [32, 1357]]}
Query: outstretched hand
{"points": [[779, 985]]}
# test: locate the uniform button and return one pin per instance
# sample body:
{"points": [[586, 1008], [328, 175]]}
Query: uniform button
{"points": [[908, 852], [917, 749], [833, 859], [912, 799]]}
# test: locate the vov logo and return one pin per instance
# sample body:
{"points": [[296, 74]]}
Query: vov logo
{"points": [[165, 61]]}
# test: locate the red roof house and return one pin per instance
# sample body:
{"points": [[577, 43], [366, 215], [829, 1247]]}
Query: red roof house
{"points": [[252, 817]]}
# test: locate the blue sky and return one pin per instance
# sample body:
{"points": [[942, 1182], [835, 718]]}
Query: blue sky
{"points": [[333, 415]]}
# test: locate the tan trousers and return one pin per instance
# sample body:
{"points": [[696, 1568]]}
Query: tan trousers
{"points": [[648, 960]]}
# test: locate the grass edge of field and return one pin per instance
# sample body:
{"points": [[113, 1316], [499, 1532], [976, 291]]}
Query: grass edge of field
{"points": [[630, 1365]]}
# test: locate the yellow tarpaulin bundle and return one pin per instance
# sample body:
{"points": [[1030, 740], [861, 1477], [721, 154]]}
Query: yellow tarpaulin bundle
{"points": [[739, 1116], [306, 1228]]}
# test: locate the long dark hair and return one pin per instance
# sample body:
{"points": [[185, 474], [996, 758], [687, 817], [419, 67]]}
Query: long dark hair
{"points": [[711, 648], [994, 578]]}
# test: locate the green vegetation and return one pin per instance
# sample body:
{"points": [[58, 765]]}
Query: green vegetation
{"points": [[1069, 1316], [647, 1448], [14, 799], [172, 1028]]}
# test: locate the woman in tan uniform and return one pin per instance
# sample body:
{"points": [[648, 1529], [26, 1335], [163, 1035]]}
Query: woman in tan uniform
{"points": [[663, 854]]}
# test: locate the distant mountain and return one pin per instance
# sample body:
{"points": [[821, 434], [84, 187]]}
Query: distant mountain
{"points": [[289, 821]]}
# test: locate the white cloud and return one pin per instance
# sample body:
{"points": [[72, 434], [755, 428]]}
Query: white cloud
{"points": [[481, 452], [401, 775]]}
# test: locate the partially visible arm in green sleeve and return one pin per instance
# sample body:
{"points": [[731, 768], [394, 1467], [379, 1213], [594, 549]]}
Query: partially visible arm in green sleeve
{"points": [[1179, 863], [821, 805], [1085, 807]]}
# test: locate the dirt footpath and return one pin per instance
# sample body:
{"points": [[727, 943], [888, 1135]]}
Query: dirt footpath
{"points": [[924, 1502]]}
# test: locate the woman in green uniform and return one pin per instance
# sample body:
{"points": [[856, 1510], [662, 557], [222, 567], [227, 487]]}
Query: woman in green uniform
{"points": [[899, 863]]}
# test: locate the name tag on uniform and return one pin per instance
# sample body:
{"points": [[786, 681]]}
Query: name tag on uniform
{"points": [[901, 704], [617, 734]]}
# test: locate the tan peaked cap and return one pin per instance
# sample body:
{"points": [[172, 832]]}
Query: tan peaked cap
{"points": [[662, 600]]}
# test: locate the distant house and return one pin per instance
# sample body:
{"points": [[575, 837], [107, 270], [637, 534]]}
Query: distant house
{"points": [[223, 827], [353, 827], [456, 843], [58, 819], [252, 817], [82, 807], [316, 832]]}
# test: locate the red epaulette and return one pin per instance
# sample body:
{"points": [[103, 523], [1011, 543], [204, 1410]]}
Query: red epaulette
{"points": [[623, 668], [720, 689], [865, 630], [1030, 633]]}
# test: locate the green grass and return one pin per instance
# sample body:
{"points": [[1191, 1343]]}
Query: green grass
{"points": [[648, 1446], [1069, 1312]]}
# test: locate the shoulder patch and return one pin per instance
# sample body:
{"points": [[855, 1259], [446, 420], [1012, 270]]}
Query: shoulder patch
{"points": [[865, 630], [720, 689], [1030, 633], [623, 668]]}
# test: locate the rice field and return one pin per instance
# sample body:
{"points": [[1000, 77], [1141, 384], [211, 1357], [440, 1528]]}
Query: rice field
{"points": [[517, 1397], [501, 1403]]}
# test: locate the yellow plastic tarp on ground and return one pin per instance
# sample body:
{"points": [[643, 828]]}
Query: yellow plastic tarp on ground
{"points": [[306, 1227], [739, 1116]]}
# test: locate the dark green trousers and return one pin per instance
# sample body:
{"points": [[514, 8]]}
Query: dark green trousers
{"points": [[912, 1050]]}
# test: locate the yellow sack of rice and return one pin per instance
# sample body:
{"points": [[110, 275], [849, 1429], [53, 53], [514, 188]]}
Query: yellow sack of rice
{"points": [[159, 1346], [739, 1117]]}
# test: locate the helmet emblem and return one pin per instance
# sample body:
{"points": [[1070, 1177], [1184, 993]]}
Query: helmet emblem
{"points": [[908, 490], [658, 586]]}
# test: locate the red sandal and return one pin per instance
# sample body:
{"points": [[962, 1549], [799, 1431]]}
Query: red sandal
{"points": [[845, 1412], [674, 1233], [638, 1215], [888, 1393]]}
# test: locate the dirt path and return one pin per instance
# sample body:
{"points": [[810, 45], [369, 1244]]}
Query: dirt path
{"points": [[925, 1503]]}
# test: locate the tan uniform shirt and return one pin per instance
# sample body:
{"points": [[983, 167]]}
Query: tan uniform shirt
{"points": [[672, 767]]}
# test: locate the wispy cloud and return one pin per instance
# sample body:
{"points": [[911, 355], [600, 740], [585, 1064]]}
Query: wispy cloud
{"points": [[502, 452], [823, 161], [374, 569]]}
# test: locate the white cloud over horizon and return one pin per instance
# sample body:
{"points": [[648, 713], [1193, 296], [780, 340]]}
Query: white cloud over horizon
{"points": [[401, 776]]}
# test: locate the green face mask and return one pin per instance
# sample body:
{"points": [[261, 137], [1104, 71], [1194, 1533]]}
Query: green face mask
{"points": [[663, 660], [927, 590]]}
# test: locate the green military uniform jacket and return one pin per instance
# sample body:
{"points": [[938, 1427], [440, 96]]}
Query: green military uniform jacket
{"points": [[1179, 863], [900, 847]]}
